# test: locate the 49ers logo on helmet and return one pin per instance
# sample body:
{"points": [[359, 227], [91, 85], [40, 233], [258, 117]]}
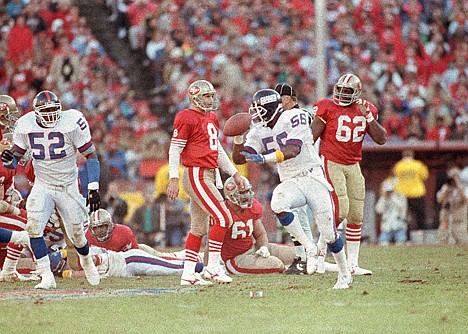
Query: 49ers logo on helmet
{"points": [[230, 186], [4, 106], [194, 90]]}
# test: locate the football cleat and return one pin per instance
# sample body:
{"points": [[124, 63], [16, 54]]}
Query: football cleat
{"points": [[343, 282], [217, 274], [358, 271], [16, 277], [47, 282], [298, 267], [194, 279]]}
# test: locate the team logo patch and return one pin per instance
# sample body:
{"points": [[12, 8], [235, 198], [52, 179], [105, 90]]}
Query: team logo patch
{"points": [[3, 106], [230, 186], [194, 90]]}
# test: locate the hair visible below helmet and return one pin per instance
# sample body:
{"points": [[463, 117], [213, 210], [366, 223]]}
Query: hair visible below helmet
{"points": [[8, 111], [266, 104], [242, 198], [100, 218], [47, 108], [197, 95], [347, 90]]}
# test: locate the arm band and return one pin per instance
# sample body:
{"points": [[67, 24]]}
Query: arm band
{"points": [[369, 117], [276, 156], [94, 173]]}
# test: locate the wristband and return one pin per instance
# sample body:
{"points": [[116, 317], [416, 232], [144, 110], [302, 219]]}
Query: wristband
{"points": [[238, 140], [94, 171], [369, 117], [276, 156]]}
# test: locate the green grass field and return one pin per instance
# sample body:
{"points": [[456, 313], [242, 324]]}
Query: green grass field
{"points": [[414, 289]]}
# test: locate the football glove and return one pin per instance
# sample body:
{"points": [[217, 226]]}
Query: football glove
{"points": [[94, 200], [263, 251], [7, 157], [257, 158]]}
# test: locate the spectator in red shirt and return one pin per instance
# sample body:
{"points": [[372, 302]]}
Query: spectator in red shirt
{"points": [[20, 42], [439, 132]]}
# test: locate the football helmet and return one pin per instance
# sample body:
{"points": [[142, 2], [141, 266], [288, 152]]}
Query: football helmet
{"points": [[199, 94], [347, 90], [47, 108], [8, 111], [242, 198], [98, 219], [266, 104]]}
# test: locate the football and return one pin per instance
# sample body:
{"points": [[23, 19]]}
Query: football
{"points": [[237, 124]]}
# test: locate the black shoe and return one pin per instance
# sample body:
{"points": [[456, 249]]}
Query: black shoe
{"points": [[298, 267]]}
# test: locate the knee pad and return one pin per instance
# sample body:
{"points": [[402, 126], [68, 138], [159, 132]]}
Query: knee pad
{"points": [[336, 246], [286, 219]]}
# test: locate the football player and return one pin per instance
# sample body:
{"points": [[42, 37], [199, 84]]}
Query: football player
{"points": [[196, 146], [11, 219], [297, 267], [284, 137], [341, 123], [55, 137], [246, 248], [133, 262]]}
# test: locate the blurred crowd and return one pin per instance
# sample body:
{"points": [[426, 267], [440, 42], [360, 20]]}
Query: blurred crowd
{"points": [[410, 55]]}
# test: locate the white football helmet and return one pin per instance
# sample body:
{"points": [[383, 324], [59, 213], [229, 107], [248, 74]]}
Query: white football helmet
{"points": [[347, 90], [100, 218], [47, 108], [242, 198], [199, 94]]}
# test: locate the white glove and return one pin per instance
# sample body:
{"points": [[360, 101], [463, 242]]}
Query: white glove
{"points": [[263, 252]]}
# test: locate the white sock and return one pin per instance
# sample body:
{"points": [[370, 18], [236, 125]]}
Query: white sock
{"points": [[189, 268], [295, 229], [340, 259], [9, 266], [353, 242], [214, 259]]}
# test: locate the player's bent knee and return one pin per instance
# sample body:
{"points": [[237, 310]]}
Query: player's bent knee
{"points": [[79, 240], [336, 246]]}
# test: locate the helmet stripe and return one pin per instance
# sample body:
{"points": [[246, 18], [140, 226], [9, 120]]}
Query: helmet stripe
{"points": [[48, 96]]}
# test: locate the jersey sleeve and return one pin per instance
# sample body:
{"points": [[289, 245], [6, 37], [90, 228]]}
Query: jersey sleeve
{"points": [[253, 142], [81, 135], [256, 210], [182, 127], [320, 110]]}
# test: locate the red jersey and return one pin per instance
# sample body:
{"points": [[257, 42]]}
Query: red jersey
{"points": [[344, 132], [121, 240], [6, 179], [197, 132], [238, 238], [12, 223]]}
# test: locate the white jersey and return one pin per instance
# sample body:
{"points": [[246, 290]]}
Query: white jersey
{"points": [[54, 150], [292, 127]]}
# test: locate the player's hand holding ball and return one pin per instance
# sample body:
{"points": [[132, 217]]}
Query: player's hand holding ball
{"points": [[94, 200]]}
